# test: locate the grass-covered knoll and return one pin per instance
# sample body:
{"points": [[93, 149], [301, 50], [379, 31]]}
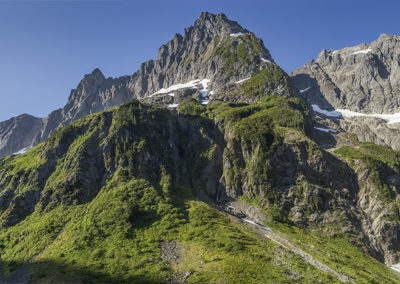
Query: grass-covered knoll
{"points": [[373, 151], [259, 81], [238, 50], [279, 111]]}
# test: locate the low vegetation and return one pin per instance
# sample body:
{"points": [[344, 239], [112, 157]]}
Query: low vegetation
{"points": [[110, 189]]}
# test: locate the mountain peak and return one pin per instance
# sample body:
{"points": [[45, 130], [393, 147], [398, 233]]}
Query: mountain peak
{"points": [[217, 23], [96, 73], [383, 37], [95, 77]]}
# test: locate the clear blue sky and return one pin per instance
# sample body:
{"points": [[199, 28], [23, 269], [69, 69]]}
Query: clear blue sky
{"points": [[47, 46]]}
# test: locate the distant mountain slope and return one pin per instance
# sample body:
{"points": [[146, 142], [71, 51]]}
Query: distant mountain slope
{"points": [[363, 83], [214, 48], [363, 78]]}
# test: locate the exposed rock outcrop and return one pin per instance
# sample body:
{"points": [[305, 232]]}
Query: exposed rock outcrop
{"points": [[364, 79]]}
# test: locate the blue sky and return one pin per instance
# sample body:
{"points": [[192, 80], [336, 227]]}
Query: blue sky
{"points": [[47, 46]]}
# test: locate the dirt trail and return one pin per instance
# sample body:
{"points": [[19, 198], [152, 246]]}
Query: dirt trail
{"points": [[267, 232], [307, 257]]}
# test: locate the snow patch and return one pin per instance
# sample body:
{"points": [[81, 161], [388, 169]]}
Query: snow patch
{"points": [[395, 267], [333, 113], [258, 225], [327, 130], [306, 89], [203, 91], [23, 150], [236, 34], [365, 51], [265, 60], [390, 118], [173, 105], [191, 84], [241, 81]]}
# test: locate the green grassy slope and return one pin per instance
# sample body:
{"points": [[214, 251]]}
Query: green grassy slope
{"points": [[98, 199]]}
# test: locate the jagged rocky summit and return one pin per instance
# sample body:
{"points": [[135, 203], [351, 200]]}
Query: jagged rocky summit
{"points": [[214, 56], [362, 83]]}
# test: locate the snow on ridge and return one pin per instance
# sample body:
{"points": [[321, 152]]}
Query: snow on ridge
{"points": [[333, 113], [365, 51], [265, 60], [173, 105], [236, 34], [258, 225], [203, 91], [306, 89], [243, 80], [22, 151], [190, 84], [390, 118], [327, 130], [395, 267]]}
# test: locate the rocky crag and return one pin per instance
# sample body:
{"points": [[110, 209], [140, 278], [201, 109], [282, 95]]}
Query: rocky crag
{"points": [[364, 80], [212, 55]]}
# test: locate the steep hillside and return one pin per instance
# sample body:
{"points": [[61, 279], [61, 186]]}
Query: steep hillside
{"points": [[119, 197]]}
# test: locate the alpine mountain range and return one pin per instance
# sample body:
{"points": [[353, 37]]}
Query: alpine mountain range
{"points": [[211, 164]]}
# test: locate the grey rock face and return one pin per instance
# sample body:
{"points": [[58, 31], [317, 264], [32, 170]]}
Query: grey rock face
{"points": [[18, 132], [362, 78], [207, 50]]}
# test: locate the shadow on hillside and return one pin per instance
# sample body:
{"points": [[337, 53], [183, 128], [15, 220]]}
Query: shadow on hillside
{"points": [[52, 272], [314, 95]]}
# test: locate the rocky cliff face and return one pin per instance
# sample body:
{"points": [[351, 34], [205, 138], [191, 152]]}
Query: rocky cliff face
{"points": [[209, 59], [363, 79], [18, 133], [360, 83]]}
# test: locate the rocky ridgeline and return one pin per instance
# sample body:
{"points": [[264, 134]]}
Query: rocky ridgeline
{"points": [[364, 79], [214, 48]]}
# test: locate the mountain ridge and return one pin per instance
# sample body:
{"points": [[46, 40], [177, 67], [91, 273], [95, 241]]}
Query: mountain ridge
{"points": [[174, 64], [363, 82]]}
